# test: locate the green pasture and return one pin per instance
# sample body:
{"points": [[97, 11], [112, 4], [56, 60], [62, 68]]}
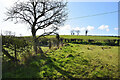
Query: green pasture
{"points": [[87, 37], [80, 37], [70, 61]]}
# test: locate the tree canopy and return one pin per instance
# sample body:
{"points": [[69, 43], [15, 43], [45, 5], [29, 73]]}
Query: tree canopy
{"points": [[39, 14]]}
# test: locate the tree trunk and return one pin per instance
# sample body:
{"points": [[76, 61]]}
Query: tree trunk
{"points": [[50, 44], [58, 43], [35, 44], [35, 41], [58, 37]]}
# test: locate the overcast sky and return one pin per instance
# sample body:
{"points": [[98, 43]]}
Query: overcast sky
{"points": [[97, 25]]}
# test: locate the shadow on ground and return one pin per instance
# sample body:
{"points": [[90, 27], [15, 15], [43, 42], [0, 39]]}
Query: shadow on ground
{"points": [[35, 67]]}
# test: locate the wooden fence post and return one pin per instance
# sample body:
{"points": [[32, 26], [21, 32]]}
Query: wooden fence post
{"points": [[61, 42], [50, 45]]}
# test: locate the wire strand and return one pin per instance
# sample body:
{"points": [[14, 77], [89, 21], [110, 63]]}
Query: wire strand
{"points": [[94, 15]]}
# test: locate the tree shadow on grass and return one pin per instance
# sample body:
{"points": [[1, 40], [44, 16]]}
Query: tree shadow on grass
{"points": [[35, 67], [63, 72]]}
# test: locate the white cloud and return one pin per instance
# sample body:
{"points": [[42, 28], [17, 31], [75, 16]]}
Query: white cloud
{"points": [[65, 30], [76, 28], [107, 30], [83, 28], [90, 28], [115, 28], [17, 28], [104, 27], [7, 3], [66, 27]]}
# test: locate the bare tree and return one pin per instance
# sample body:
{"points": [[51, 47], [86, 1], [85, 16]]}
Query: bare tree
{"points": [[72, 32], [20, 35], [38, 14], [6, 32], [9, 33], [77, 31]]}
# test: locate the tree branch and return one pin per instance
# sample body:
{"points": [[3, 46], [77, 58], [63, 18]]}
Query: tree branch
{"points": [[45, 34]]}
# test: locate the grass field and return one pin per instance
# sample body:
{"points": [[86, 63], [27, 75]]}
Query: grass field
{"points": [[70, 61], [87, 37], [81, 37]]}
